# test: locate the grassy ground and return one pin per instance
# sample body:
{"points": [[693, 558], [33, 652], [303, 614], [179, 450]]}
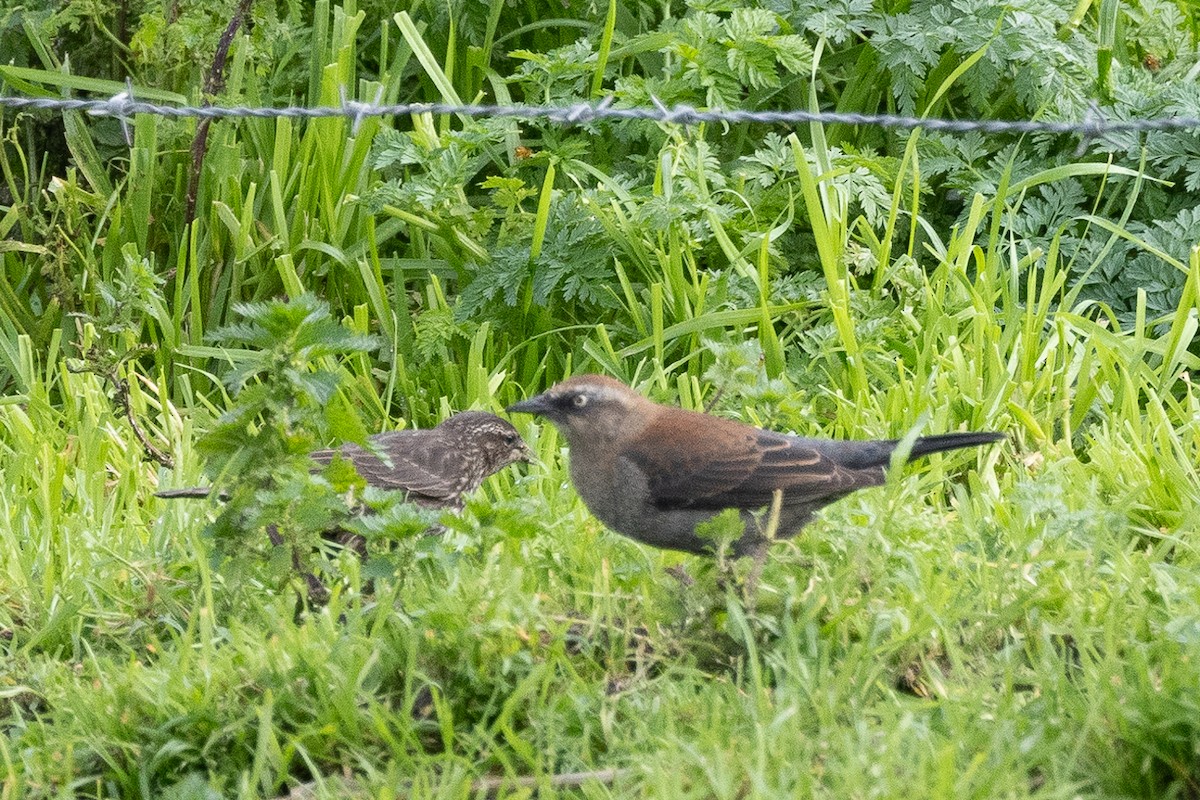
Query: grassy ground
{"points": [[1021, 621]]}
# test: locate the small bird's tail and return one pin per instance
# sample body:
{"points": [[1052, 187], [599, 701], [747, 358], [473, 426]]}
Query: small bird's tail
{"points": [[192, 491], [927, 445]]}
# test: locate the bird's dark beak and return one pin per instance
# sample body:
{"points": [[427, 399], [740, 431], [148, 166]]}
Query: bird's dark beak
{"points": [[538, 404]]}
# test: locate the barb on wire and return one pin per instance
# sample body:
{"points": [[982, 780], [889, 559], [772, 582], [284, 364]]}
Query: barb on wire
{"points": [[358, 111], [120, 105], [1093, 126]]}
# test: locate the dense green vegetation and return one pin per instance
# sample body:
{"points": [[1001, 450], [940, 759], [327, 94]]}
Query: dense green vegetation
{"points": [[1019, 622]]}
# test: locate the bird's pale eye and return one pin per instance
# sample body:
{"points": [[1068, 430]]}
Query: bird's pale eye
{"points": [[581, 400]]}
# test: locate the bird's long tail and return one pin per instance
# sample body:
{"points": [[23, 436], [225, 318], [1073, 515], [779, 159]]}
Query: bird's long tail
{"points": [[952, 441], [191, 491]]}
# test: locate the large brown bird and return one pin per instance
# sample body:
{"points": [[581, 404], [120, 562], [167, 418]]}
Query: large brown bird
{"points": [[653, 472], [436, 467]]}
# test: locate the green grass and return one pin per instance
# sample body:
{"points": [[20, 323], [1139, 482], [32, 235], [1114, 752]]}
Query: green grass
{"points": [[1018, 623], [1021, 621]]}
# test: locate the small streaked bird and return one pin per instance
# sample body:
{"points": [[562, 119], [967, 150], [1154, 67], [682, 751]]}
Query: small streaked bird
{"points": [[653, 472], [436, 467]]}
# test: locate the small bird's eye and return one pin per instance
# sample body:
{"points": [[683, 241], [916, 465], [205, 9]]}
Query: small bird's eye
{"points": [[510, 439], [581, 400]]}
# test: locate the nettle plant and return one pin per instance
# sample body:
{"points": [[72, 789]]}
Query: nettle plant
{"points": [[287, 401]]}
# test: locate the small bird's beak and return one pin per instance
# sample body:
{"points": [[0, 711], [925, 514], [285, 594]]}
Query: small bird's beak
{"points": [[538, 404]]}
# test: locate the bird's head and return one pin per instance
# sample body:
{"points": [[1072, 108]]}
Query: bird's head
{"points": [[495, 440], [589, 409]]}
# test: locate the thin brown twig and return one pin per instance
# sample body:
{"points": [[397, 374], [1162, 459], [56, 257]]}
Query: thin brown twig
{"points": [[716, 398], [111, 374], [493, 784], [318, 592], [152, 450]]}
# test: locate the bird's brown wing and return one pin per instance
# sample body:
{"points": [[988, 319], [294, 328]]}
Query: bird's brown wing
{"points": [[421, 464], [737, 466]]}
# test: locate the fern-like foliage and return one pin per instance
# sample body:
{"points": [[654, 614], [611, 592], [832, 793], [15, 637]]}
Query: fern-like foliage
{"points": [[574, 268]]}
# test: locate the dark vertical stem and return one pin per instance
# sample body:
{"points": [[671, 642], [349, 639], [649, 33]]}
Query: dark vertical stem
{"points": [[213, 84], [122, 26], [199, 145]]}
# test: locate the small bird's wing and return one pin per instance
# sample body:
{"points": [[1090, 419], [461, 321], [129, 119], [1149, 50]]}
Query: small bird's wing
{"points": [[421, 464], [737, 466]]}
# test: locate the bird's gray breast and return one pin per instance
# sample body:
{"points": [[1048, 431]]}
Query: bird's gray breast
{"points": [[617, 492], [611, 488]]}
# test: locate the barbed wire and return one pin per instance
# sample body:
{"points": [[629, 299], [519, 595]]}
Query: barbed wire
{"points": [[123, 106]]}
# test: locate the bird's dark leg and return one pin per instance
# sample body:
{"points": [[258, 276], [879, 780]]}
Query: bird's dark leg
{"points": [[758, 555], [353, 542], [759, 550], [356, 544]]}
